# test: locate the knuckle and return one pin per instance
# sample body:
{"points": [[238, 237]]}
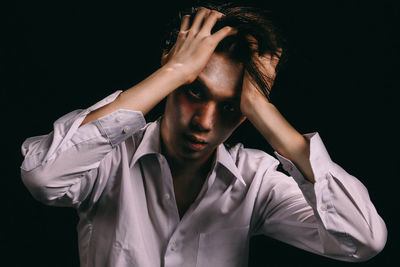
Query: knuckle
{"points": [[209, 40], [215, 13], [204, 9], [182, 33], [190, 32], [202, 33]]}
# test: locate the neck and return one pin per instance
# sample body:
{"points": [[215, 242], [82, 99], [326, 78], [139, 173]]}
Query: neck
{"points": [[186, 166], [183, 166]]}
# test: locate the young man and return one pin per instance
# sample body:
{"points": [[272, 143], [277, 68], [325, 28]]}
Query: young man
{"points": [[170, 193]]}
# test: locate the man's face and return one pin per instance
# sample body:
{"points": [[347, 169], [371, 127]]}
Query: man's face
{"points": [[200, 116]]}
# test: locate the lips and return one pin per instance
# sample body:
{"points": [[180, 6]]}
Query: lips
{"points": [[194, 142], [195, 139]]}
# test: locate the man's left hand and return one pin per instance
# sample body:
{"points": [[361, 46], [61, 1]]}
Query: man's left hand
{"points": [[266, 118], [267, 64]]}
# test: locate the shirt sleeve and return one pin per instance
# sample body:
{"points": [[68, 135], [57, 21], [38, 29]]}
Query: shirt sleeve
{"points": [[61, 168], [333, 217]]}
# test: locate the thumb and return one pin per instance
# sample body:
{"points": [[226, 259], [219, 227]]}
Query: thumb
{"points": [[224, 32], [164, 58]]}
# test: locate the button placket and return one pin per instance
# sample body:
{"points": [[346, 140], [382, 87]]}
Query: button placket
{"points": [[168, 194], [173, 246], [323, 207]]}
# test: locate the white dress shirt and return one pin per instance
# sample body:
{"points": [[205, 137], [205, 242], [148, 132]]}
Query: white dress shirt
{"points": [[112, 171]]}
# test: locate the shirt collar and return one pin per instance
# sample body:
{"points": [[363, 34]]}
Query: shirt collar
{"points": [[151, 144], [225, 159]]}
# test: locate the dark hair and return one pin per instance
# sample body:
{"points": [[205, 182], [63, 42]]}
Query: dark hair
{"points": [[248, 20]]}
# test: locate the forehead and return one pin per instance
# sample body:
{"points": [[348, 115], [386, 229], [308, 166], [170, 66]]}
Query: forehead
{"points": [[222, 76]]}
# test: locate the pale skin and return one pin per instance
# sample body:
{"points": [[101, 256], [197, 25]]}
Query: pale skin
{"points": [[197, 120]]}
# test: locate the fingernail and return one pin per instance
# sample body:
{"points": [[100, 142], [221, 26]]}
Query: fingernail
{"points": [[233, 30]]}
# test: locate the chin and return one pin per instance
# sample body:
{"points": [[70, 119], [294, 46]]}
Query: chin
{"points": [[194, 155]]}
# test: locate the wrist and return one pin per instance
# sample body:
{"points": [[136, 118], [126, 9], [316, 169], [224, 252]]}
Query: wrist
{"points": [[176, 71], [250, 103]]}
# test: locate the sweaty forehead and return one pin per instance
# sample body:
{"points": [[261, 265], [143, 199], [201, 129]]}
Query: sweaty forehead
{"points": [[222, 76]]}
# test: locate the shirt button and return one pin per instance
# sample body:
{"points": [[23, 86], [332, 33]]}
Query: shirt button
{"points": [[173, 246], [167, 196], [126, 129], [286, 167], [118, 119], [324, 207]]}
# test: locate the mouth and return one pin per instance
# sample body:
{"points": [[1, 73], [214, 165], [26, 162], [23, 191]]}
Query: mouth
{"points": [[194, 142]]}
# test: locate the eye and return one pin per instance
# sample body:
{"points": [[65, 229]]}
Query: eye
{"points": [[229, 107], [195, 92]]}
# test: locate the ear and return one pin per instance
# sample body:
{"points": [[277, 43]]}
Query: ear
{"points": [[164, 57]]}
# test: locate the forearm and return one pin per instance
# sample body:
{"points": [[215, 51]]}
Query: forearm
{"points": [[60, 168], [181, 65], [334, 218], [282, 136], [143, 96]]}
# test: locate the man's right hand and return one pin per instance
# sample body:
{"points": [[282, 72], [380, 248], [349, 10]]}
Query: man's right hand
{"points": [[195, 44], [181, 65]]}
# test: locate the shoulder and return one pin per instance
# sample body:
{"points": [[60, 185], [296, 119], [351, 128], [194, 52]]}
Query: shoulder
{"points": [[242, 154], [252, 162]]}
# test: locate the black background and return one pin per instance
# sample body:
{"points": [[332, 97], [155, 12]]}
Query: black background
{"points": [[58, 56]]}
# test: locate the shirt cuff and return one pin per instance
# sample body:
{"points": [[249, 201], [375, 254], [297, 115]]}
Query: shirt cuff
{"points": [[120, 124], [320, 163]]}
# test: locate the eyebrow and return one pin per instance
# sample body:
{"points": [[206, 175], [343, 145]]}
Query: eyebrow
{"points": [[204, 87]]}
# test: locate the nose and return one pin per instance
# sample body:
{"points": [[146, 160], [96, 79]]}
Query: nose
{"points": [[204, 117]]}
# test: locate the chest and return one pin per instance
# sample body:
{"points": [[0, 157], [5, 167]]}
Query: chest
{"points": [[169, 198], [186, 190], [143, 217]]}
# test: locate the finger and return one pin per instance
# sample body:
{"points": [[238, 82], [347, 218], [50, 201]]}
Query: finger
{"points": [[164, 58], [185, 23], [270, 59], [274, 61], [279, 52], [210, 21], [198, 19], [222, 33], [253, 44]]}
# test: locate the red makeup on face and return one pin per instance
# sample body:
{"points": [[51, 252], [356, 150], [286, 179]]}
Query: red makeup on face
{"points": [[192, 138], [200, 116]]}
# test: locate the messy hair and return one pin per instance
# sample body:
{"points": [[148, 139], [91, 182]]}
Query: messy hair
{"points": [[248, 20]]}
